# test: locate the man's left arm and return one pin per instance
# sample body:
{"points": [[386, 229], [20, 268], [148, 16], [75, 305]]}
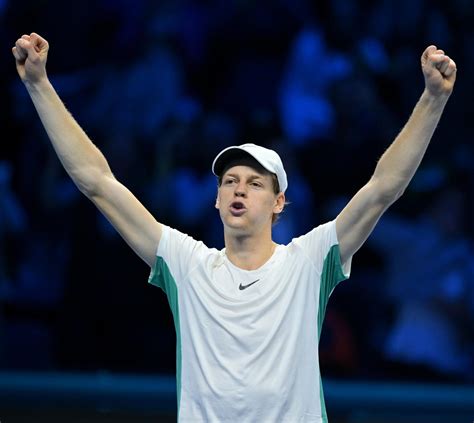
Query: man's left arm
{"points": [[399, 163]]}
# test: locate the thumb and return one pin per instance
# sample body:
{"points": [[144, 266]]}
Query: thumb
{"points": [[430, 49], [39, 43], [427, 53]]}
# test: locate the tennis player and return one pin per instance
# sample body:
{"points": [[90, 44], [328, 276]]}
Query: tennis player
{"points": [[247, 317]]}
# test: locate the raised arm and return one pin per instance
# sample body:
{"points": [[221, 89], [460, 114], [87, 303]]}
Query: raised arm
{"points": [[398, 164], [82, 160]]}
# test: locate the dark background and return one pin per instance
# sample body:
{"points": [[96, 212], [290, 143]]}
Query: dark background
{"points": [[161, 88]]}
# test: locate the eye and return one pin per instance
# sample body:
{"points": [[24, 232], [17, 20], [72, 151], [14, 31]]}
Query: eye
{"points": [[256, 184], [229, 181]]}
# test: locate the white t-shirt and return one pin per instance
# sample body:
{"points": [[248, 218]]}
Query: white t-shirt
{"points": [[247, 340]]}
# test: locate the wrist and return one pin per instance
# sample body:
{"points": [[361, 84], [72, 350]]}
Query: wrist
{"points": [[37, 84], [435, 98]]}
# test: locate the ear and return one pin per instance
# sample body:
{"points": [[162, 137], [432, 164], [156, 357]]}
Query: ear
{"points": [[279, 203]]}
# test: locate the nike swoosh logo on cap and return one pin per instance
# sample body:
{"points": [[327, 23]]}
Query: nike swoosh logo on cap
{"points": [[241, 287]]}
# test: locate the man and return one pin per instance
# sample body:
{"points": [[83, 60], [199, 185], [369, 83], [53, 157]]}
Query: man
{"points": [[247, 317]]}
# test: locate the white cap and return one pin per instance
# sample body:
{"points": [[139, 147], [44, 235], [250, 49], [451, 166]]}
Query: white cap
{"points": [[269, 159]]}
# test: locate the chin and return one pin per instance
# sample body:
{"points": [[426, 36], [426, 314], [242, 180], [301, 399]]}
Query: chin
{"points": [[235, 226]]}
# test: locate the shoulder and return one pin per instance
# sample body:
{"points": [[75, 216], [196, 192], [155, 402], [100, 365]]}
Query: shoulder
{"points": [[324, 234], [176, 245]]}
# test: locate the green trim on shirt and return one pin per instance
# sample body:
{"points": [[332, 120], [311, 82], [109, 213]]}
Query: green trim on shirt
{"points": [[332, 274], [161, 277]]}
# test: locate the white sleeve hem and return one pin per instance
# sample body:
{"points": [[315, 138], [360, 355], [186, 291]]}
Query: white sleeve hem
{"points": [[347, 265], [165, 233]]}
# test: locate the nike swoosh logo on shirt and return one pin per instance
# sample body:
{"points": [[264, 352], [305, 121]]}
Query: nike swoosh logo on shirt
{"points": [[241, 287]]}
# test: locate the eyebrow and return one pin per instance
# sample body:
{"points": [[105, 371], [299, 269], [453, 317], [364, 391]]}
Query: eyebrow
{"points": [[251, 177]]}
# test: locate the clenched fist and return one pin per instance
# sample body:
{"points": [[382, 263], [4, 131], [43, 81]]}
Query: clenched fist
{"points": [[31, 53], [439, 71]]}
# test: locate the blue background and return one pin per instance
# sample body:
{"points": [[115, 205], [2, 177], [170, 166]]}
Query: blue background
{"points": [[161, 88]]}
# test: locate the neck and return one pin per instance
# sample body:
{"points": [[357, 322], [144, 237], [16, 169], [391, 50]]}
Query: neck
{"points": [[249, 253]]}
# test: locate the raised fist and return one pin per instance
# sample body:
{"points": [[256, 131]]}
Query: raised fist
{"points": [[439, 71], [31, 53]]}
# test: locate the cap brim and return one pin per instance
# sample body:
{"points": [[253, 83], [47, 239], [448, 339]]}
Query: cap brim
{"points": [[228, 156]]}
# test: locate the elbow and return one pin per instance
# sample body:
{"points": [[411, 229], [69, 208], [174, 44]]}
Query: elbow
{"points": [[88, 190], [388, 198], [387, 192], [399, 193], [89, 181]]}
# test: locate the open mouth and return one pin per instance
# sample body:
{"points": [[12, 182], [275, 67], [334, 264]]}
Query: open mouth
{"points": [[237, 208]]}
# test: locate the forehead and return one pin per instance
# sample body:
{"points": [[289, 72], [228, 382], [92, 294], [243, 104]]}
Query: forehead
{"points": [[246, 171]]}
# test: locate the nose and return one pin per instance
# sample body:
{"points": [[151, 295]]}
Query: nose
{"points": [[240, 189]]}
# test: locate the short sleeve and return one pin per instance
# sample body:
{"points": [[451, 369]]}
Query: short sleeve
{"points": [[321, 246], [176, 254]]}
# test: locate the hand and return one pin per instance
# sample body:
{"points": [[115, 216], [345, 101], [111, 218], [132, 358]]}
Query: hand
{"points": [[31, 53], [439, 71]]}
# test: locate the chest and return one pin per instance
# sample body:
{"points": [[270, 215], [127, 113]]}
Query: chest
{"points": [[251, 304]]}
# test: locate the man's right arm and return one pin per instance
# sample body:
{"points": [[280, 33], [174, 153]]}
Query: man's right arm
{"points": [[82, 160]]}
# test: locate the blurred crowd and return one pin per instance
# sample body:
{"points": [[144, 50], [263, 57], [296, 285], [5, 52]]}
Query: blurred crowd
{"points": [[161, 88]]}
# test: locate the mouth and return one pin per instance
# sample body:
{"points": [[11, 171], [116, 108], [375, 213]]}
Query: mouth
{"points": [[237, 208]]}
